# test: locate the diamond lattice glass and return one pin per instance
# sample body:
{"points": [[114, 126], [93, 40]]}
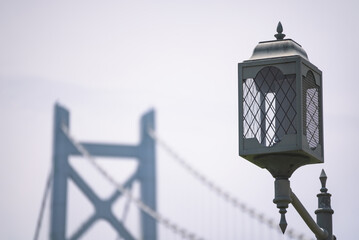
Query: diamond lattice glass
{"points": [[269, 106]]}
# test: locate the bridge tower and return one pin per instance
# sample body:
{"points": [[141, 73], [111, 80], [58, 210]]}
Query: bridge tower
{"points": [[145, 174]]}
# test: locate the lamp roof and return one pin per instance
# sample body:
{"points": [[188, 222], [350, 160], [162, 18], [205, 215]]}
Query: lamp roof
{"points": [[278, 48]]}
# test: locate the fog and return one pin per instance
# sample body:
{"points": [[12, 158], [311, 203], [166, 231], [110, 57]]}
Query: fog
{"points": [[108, 62]]}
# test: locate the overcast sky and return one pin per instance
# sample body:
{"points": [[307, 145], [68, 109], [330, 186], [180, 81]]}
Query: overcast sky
{"points": [[110, 61]]}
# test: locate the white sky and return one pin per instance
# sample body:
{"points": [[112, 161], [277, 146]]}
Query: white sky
{"points": [[109, 61]]}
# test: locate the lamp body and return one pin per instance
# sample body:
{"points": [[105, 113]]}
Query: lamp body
{"points": [[280, 111]]}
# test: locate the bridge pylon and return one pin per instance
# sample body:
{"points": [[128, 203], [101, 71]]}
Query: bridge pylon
{"points": [[145, 174]]}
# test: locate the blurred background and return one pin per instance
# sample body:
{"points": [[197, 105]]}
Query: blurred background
{"points": [[110, 61]]}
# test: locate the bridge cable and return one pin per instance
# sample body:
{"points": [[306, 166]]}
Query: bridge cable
{"points": [[43, 205], [126, 208], [125, 212], [221, 192], [184, 233]]}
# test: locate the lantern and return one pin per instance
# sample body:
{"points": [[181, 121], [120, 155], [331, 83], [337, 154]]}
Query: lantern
{"points": [[280, 107]]}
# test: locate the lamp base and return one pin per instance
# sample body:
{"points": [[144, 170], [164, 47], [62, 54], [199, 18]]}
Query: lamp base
{"points": [[281, 165]]}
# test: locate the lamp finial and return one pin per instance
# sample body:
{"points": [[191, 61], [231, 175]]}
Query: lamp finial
{"points": [[323, 180], [283, 222], [279, 35]]}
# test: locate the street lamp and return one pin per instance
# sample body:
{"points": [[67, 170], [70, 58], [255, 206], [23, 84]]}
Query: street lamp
{"points": [[281, 119]]}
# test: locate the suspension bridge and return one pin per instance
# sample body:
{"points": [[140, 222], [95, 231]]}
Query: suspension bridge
{"points": [[233, 220]]}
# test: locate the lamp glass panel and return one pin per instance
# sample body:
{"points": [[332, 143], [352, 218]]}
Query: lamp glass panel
{"points": [[311, 110], [269, 102]]}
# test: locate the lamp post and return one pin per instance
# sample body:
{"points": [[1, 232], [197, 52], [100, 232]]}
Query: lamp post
{"points": [[281, 122]]}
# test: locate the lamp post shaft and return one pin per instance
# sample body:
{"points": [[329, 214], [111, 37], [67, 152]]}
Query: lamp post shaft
{"points": [[320, 232], [324, 212], [323, 228]]}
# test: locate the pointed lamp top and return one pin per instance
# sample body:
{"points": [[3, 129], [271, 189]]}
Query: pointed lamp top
{"points": [[279, 35], [323, 180]]}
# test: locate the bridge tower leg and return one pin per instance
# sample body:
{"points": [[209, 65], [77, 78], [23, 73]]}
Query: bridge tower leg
{"points": [[63, 148], [59, 188], [147, 176]]}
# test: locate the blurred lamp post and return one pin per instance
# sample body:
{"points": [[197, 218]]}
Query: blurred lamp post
{"points": [[281, 122]]}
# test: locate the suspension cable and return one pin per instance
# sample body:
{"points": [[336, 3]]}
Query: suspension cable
{"points": [[221, 192], [43, 205], [186, 234], [126, 208]]}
